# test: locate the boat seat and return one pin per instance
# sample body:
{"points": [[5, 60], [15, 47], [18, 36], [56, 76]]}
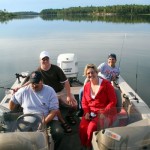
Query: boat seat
{"points": [[122, 115], [119, 99]]}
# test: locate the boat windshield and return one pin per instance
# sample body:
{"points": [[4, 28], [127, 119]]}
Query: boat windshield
{"points": [[129, 128]]}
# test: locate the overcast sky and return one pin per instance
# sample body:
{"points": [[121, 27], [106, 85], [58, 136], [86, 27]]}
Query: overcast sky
{"points": [[38, 5]]}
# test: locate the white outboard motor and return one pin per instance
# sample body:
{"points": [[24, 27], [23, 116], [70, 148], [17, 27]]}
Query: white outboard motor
{"points": [[68, 63]]}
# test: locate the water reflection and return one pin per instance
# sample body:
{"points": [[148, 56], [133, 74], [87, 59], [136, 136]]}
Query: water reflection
{"points": [[111, 18], [114, 19]]}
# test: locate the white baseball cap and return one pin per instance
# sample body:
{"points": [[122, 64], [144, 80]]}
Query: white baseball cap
{"points": [[44, 54]]}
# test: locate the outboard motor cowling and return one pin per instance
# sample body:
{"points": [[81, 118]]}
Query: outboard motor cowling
{"points": [[68, 63]]}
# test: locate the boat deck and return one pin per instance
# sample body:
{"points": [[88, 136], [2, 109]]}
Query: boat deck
{"points": [[71, 141]]}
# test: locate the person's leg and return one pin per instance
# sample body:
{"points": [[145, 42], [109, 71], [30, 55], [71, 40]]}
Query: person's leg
{"points": [[83, 131], [62, 96], [80, 110], [56, 131], [65, 126], [51, 116], [80, 98], [71, 110], [91, 128]]}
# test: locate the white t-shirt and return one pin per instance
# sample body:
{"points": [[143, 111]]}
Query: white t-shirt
{"points": [[108, 72], [36, 102]]}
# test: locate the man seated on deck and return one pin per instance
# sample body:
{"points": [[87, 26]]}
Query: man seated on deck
{"points": [[54, 76], [109, 70], [40, 98]]}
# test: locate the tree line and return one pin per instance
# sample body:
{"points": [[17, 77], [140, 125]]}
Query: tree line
{"points": [[100, 10], [89, 10], [91, 13], [5, 14]]}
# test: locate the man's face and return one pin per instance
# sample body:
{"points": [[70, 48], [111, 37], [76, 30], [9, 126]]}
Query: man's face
{"points": [[45, 61], [111, 61], [37, 86]]}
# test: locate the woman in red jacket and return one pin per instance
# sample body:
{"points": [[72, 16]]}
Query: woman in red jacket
{"points": [[99, 105]]}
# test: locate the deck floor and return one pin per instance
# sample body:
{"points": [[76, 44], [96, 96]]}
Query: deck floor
{"points": [[71, 141]]}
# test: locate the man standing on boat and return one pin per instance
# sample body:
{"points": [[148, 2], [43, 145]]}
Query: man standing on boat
{"points": [[54, 76]]}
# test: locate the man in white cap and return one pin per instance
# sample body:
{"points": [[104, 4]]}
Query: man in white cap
{"points": [[54, 76]]}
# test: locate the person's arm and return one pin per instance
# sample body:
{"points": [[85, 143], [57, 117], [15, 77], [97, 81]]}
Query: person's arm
{"points": [[100, 69], [67, 87], [16, 99], [17, 88], [63, 79], [11, 105], [115, 75], [53, 105], [50, 116], [85, 103]]}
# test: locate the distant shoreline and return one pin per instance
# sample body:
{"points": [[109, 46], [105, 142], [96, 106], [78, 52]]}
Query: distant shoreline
{"points": [[93, 10], [84, 13]]}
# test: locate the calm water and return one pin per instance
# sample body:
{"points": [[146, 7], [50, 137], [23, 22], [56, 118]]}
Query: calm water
{"points": [[21, 41]]}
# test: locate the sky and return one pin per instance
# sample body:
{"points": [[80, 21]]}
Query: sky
{"points": [[38, 5]]}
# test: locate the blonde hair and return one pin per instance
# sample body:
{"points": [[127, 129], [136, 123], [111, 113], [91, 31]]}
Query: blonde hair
{"points": [[90, 66]]}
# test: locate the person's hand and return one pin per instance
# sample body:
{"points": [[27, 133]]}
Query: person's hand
{"points": [[16, 89], [102, 116], [87, 116], [113, 78], [69, 101]]}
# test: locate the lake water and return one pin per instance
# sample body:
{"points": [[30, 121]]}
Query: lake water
{"points": [[21, 41]]}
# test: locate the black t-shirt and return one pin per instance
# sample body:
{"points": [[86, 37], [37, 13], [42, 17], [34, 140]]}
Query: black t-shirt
{"points": [[53, 77]]}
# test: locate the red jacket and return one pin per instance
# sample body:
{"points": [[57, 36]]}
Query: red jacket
{"points": [[105, 100]]}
